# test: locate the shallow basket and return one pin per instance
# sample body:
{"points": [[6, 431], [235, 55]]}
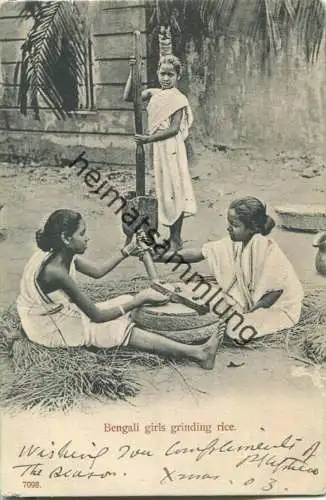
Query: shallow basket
{"points": [[310, 218], [170, 317]]}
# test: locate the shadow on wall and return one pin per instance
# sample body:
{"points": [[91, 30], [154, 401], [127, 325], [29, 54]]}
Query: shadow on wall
{"points": [[27, 149]]}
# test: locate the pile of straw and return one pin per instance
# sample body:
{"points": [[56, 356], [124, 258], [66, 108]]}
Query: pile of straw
{"points": [[57, 379], [307, 340]]}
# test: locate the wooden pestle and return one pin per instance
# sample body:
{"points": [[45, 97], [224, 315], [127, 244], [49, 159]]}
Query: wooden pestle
{"points": [[149, 265], [167, 289]]}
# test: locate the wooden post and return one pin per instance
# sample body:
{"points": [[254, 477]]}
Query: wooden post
{"points": [[136, 85]]}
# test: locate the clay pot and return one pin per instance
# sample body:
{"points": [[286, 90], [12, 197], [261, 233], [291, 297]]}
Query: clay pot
{"points": [[320, 261]]}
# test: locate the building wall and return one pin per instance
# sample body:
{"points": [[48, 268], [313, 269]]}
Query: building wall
{"points": [[106, 133], [283, 107], [233, 101]]}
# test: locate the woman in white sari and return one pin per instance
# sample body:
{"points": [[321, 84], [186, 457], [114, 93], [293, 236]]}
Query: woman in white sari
{"points": [[55, 312], [259, 290]]}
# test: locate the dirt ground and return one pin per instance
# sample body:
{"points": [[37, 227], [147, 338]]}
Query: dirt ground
{"points": [[31, 193]]}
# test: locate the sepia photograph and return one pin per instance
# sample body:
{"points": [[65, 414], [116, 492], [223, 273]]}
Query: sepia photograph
{"points": [[163, 248]]}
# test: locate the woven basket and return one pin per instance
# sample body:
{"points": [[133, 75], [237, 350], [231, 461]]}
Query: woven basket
{"points": [[310, 218], [195, 335], [170, 317]]}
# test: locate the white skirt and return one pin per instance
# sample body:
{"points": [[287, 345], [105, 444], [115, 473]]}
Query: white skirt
{"points": [[174, 189]]}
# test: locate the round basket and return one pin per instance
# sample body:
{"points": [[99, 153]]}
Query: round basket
{"points": [[171, 316], [195, 335], [310, 218]]}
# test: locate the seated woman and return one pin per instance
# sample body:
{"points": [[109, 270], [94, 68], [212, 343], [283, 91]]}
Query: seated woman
{"points": [[250, 268], [55, 312]]}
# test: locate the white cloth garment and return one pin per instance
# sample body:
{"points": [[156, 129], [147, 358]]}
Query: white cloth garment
{"points": [[53, 320], [248, 273], [174, 189]]}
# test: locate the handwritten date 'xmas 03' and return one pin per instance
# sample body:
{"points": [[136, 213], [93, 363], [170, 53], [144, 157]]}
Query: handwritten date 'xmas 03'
{"points": [[67, 461]]}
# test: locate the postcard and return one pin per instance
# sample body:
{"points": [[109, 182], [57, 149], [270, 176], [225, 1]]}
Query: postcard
{"points": [[163, 248]]}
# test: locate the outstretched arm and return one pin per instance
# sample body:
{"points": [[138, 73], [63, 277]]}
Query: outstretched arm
{"points": [[128, 90], [96, 270], [64, 282], [160, 135], [189, 255], [128, 96]]}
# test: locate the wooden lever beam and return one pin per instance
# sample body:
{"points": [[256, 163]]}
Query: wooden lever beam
{"points": [[175, 292]]}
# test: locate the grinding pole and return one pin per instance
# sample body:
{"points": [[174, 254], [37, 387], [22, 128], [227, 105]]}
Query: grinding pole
{"points": [[138, 112], [146, 256]]}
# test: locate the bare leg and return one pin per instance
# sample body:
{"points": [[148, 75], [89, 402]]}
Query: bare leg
{"points": [[175, 233], [203, 354]]}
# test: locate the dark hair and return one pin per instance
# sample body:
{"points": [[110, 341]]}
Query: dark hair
{"points": [[60, 222], [173, 60], [252, 212]]}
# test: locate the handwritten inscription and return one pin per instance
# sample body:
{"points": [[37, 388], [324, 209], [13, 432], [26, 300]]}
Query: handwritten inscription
{"points": [[99, 461], [292, 463], [172, 475], [126, 451], [66, 451]]}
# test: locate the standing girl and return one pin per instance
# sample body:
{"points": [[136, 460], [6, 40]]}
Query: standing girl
{"points": [[169, 119]]}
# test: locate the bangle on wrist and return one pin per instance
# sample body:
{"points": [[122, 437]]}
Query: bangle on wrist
{"points": [[124, 253], [123, 312]]}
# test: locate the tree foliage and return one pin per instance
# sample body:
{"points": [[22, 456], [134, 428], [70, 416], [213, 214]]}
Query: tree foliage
{"points": [[267, 23], [53, 57]]}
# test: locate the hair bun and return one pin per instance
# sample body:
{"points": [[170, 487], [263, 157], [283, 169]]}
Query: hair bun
{"points": [[42, 241], [268, 226]]}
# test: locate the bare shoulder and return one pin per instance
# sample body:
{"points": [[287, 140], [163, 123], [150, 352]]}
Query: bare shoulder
{"points": [[54, 273]]}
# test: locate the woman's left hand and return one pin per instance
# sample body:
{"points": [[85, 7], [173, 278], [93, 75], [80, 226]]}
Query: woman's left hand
{"points": [[254, 308], [141, 138], [132, 248]]}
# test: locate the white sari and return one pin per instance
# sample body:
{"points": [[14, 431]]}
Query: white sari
{"points": [[53, 320], [174, 189], [247, 274]]}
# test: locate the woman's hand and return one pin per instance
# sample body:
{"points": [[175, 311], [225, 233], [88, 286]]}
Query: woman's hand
{"points": [[133, 248], [132, 61], [267, 300], [151, 297], [254, 308], [141, 138]]}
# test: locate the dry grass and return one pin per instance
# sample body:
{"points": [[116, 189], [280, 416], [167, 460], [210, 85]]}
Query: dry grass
{"points": [[57, 379], [307, 340]]}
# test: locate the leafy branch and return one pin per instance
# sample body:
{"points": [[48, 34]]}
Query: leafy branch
{"points": [[268, 24], [53, 57]]}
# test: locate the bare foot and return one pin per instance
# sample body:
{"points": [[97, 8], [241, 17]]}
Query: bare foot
{"points": [[209, 349]]}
